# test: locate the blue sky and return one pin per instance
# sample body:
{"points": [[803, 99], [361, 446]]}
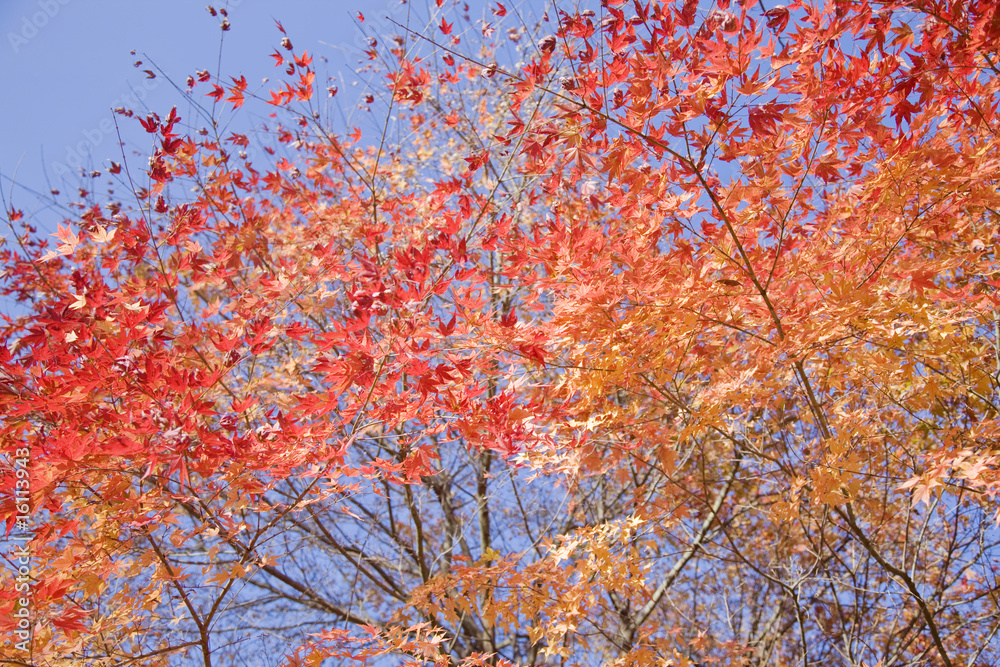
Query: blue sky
{"points": [[65, 63]]}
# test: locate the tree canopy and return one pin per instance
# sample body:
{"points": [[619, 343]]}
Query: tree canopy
{"points": [[659, 333]]}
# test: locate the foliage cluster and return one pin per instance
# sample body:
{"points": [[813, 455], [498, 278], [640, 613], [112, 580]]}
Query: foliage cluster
{"points": [[658, 334]]}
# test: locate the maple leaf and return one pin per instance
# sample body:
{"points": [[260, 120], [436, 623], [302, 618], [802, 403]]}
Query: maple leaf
{"points": [[68, 243], [922, 488], [763, 119], [102, 235], [687, 14], [777, 18], [236, 92], [303, 60], [151, 123]]}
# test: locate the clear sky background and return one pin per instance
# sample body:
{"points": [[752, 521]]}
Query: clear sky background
{"points": [[64, 64]]}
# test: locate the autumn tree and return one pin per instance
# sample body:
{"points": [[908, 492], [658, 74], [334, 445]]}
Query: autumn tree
{"points": [[651, 334]]}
